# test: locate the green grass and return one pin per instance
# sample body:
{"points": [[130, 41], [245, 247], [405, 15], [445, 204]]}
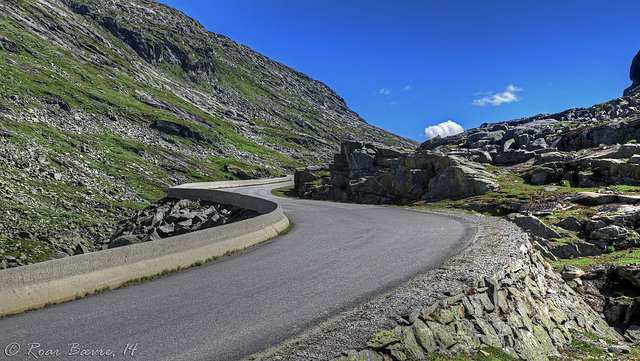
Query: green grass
{"points": [[626, 189], [286, 230], [625, 257], [33, 250], [512, 189], [586, 349], [487, 353], [284, 192], [564, 240]]}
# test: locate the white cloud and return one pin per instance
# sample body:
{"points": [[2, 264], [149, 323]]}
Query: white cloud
{"points": [[408, 87], [495, 99], [384, 91], [443, 129], [394, 103]]}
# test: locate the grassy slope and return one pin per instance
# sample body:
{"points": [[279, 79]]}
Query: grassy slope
{"points": [[77, 133]]}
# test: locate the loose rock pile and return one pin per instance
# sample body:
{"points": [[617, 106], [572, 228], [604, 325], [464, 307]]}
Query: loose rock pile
{"points": [[615, 230], [171, 217]]}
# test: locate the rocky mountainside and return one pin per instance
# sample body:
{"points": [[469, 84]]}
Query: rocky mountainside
{"points": [[104, 104]]}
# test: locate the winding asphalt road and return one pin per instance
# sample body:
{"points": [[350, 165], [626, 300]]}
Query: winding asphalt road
{"points": [[335, 257]]}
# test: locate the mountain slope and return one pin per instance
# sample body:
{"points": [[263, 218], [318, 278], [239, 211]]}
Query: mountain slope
{"points": [[104, 104]]}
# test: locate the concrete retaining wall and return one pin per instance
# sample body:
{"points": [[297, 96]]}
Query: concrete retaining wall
{"points": [[36, 285]]}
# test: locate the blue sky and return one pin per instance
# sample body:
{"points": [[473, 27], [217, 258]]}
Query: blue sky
{"points": [[406, 65]]}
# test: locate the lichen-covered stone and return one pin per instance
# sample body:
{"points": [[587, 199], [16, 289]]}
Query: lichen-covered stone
{"points": [[382, 339], [443, 334], [542, 317], [515, 320], [466, 334], [481, 302], [489, 335], [469, 308], [424, 336], [557, 337], [458, 312], [408, 342], [502, 328], [527, 347], [530, 316], [502, 303], [532, 286], [443, 315], [397, 351], [428, 311], [572, 325], [546, 344], [565, 332]]}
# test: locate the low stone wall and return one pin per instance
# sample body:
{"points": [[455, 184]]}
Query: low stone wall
{"points": [[65, 279], [499, 292], [526, 310]]}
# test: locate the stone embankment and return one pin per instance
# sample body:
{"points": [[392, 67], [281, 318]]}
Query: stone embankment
{"points": [[526, 310]]}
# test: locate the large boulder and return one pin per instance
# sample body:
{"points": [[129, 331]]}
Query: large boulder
{"points": [[533, 224], [460, 181], [610, 233], [570, 224], [308, 175], [577, 249], [361, 159], [363, 171]]}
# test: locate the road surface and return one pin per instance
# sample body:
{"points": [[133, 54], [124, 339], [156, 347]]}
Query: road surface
{"points": [[336, 256]]}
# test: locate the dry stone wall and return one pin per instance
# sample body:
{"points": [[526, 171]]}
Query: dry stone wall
{"points": [[526, 310]]}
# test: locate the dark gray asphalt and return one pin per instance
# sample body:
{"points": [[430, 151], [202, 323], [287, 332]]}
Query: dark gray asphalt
{"points": [[336, 256]]}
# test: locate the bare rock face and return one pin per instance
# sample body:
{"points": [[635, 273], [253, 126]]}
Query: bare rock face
{"points": [[613, 290], [365, 173], [634, 75]]}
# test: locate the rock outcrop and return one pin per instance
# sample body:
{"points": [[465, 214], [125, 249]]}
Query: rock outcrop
{"points": [[634, 76], [364, 173], [613, 291]]}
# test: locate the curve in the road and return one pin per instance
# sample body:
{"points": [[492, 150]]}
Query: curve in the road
{"points": [[336, 256], [60, 280]]}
